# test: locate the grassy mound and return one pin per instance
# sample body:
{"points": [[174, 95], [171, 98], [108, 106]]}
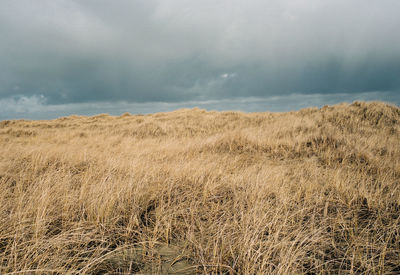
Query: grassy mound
{"points": [[187, 192]]}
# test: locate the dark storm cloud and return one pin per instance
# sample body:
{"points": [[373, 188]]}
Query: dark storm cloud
{"points": [[86, 51]]}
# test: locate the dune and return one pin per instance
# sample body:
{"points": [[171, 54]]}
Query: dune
{"points": [[316, 191]]}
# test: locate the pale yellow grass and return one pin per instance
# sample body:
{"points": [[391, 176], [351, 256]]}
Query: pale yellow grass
{"points": [[315, 191]]}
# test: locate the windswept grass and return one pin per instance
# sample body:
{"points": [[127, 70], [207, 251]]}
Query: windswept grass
{"points": [[309, 192]]}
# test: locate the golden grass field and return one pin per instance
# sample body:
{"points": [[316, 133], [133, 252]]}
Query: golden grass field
{"points": [[194, 192]]}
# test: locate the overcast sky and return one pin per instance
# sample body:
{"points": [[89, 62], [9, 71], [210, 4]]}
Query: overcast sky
{"points": [[59, 57]]}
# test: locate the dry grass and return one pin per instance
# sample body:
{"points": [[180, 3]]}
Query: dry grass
{"points": [[315, 191]]}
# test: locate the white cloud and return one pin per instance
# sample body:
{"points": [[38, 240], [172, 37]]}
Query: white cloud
{"points": [[228, 75], [22, 105]]}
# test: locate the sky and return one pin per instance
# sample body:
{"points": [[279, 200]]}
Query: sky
{"points": [[63, 57]]}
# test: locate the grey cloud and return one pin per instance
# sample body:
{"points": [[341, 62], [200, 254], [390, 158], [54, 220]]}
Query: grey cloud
{"points": [[83, 51]]}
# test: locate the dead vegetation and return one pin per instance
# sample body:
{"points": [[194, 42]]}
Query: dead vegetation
{"points": [[309, 192]]}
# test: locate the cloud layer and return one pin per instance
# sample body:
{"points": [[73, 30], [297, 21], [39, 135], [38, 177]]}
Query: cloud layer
{"points": [[36, 107], [86, 51]]}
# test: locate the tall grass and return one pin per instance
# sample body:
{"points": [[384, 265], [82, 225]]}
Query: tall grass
{"points": [[309, 192]]}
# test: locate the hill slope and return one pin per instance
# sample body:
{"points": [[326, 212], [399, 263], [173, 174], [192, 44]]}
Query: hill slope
{"points": [[195, 191]]}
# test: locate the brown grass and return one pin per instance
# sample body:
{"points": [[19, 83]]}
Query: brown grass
{"points": [[309, 192]]}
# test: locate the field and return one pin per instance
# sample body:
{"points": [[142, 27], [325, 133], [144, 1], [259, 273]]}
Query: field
{"points": [[194, 192]]}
